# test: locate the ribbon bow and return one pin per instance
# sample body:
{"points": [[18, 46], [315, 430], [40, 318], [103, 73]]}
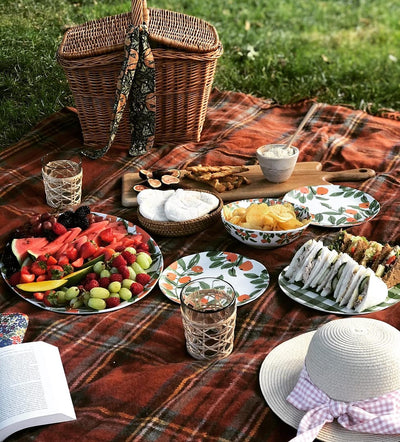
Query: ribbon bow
{"points": [[380, 415], [137, 77]]}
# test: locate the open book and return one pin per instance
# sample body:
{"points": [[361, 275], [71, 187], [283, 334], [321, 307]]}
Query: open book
{"points": [[33, 387]]}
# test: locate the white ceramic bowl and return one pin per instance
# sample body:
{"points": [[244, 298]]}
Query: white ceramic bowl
{"points": [[277, 166], [264, 239]]}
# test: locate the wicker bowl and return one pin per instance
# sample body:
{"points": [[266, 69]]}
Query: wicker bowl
{"points": [[173, 228]]}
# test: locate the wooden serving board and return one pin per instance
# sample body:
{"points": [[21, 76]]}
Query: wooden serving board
{"points": [[304, 174]]}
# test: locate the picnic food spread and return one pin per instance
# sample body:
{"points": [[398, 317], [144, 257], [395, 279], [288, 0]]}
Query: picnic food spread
{"points": [[123, 350]]}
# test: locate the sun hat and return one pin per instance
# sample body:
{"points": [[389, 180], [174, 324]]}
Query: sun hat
{"points": [[346, 362]]}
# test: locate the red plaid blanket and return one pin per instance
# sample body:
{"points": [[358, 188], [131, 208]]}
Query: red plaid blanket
{"points": [[128, 371]]}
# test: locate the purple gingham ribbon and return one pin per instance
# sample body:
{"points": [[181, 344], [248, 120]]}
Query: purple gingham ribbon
{"points": [[380, 415]]}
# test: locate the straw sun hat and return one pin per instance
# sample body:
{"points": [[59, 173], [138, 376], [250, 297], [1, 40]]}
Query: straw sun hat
{"points": [[349, 360]]}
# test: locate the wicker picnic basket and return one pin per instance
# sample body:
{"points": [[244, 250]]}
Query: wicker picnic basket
{"points": [[185, 49]]}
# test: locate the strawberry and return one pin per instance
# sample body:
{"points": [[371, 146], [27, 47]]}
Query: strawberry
{"points": [[116, 277], [91, 284], [108, 253], [107, 235], [129, 257], [142, 278], [118, 261], [63, 260], [87, 249], [39, 296], [55, 272], [136, 288], [91, 275], [72, 253], [41, 278], [59, 229], [77, 263], [112, 301], [104, 282], [15, 278], [38, 268], [27, 277], [142, 247], [123, 270], [51, 261]]}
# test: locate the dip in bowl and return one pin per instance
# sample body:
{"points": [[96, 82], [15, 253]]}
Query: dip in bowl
{"points": [[277, 161]]}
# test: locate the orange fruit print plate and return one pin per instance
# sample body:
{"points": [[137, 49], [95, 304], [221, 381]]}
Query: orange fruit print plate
{"points": [[249, 277], [335, 206]]}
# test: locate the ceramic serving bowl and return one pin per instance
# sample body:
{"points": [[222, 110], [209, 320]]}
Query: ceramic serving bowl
{"points": [[264, 239], [277, 161]]}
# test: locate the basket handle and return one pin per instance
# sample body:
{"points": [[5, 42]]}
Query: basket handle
{"points": [[140, 13]]}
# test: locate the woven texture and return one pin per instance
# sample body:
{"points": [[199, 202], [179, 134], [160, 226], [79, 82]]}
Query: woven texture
{"points": [[185, 49], [128, 371], [184, 228]]}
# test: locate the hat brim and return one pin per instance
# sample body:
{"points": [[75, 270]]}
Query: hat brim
{"points": [[279, 374]]}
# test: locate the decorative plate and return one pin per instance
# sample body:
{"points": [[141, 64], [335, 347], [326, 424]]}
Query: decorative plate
{"points": [[315, 301], [335, 206], [154, 271], [249, 278]]}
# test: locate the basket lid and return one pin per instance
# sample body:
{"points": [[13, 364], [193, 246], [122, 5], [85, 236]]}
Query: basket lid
{"points": [[167, 28]]}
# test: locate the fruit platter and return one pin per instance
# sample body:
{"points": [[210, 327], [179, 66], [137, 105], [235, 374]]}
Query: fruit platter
{"points": [[81, 262]]}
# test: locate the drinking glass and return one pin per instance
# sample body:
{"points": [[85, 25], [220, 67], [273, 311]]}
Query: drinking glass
{"points": [[62, 177], [208, 307]]}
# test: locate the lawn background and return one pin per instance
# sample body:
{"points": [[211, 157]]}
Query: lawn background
{"points": [[338, 51]]}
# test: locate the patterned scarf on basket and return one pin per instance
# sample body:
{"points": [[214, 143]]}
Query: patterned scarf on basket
{"points": [[137, 77]]}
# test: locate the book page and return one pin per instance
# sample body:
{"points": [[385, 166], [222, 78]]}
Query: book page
{"points": [[33, 387]]}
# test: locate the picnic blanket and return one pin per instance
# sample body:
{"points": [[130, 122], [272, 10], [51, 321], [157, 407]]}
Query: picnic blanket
{"points": [[129, 374]]}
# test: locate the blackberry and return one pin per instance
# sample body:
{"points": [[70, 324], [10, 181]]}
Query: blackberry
{"points": [[67, 219], [83, 223], [11, 264], [82, 211]]}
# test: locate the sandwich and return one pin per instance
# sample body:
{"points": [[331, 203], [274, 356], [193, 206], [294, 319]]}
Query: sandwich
{"points": [[383, 259], [336, 275]]}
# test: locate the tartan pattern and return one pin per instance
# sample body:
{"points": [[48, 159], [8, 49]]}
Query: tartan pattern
{"points": [[128, 371], [380, 415]]}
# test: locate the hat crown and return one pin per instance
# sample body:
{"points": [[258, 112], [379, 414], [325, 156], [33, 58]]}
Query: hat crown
{"points": [[355, 359]]}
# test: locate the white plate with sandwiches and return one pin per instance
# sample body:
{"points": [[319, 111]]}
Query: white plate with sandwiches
{"points": [[315, 301], [351, 276]]}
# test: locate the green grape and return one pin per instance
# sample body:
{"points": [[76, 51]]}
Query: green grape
{"points": [[114, 287], [131, 250], [99, 267], [61, 299], [132, 273], [97, 303], [99, 292], [71, 293], [137, 268], [144, 260], [125, 294], [126, 283], [105, 273], [76, 303]]}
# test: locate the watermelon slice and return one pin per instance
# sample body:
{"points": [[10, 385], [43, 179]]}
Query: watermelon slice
{"points": [[20, 247], [52, 247]]}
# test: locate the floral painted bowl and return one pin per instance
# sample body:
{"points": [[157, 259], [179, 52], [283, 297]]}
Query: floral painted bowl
{"points": [[264, 239]]}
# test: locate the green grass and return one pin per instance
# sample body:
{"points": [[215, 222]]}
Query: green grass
{"points": [[338, 51]]}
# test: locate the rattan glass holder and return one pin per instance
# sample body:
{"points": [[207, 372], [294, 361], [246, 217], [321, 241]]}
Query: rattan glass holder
{"points": [[185, 50]]}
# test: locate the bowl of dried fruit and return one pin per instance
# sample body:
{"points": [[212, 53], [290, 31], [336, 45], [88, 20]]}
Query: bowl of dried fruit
{"points": [[265, 222]]}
